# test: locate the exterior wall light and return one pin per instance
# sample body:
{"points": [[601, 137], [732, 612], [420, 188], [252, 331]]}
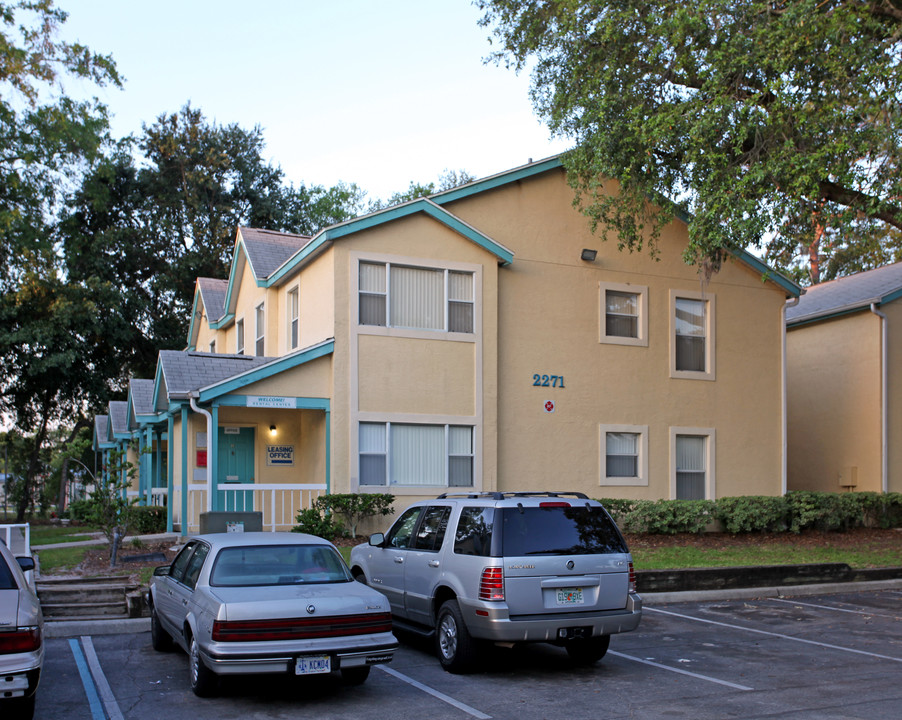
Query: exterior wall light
{"points": [[588, 255], [272, 429]]}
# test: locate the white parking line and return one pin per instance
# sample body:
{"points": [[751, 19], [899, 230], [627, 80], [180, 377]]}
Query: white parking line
{"points": [[830, 607], [777, 635], [681, 672], [435, 693], [103, 687]]}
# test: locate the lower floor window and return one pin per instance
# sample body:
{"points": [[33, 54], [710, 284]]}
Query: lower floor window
{"points": [[401, 454], [691, 467]]}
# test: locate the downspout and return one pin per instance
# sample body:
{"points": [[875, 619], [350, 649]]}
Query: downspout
{"points": [[884, 479], [784, 481], [206, 414]]}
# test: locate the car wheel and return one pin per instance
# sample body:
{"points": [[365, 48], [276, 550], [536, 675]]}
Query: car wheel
{"points": [[355, 675], [359, 576], [160, 640], [456, 648], [20, 708], [203, 680], [589, 650]]}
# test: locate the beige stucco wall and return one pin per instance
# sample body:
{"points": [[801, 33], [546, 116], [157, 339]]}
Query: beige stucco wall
{"points": [[893, 312], [833, 403], [549, 323]]}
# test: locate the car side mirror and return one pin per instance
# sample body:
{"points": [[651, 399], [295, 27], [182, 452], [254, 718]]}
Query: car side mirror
{"points": [[161, 571], [376, 539], [26, 563]]}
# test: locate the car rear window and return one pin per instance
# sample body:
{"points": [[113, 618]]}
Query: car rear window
{"points": [[278, 565], [559, 530], [7, 581]]}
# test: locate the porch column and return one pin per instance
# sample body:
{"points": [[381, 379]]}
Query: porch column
{"points": [[328, 451], [170, 485], [148, 465], [213, 456], [184, 470]]}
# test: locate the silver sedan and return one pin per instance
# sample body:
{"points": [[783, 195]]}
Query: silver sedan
{"points": [[21, 637], [242, 603]]}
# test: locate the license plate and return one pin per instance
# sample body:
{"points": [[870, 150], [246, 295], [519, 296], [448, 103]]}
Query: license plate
{"points": [[313, 665], [570, 596]]}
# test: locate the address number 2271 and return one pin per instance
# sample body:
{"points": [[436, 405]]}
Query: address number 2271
{"points": [[555, 381]]}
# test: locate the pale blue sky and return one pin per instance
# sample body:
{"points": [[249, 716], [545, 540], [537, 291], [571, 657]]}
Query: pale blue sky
{"points": [[377, 92]]}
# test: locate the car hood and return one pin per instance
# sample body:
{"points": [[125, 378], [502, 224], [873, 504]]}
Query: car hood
{"points": [[258, 603]]}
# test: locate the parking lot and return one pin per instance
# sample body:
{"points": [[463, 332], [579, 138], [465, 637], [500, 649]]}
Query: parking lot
{"points": [[828, 656]]}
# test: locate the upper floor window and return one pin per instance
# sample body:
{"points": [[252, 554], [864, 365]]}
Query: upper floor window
{"points": [[212, 346], [239, 337], [624, 314], [400, 454], [416, 298], [692, 353], [293, 318], [259, 330]]}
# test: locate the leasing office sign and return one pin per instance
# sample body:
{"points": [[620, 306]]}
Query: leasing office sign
{"points": [[269, 401], [280, 455]]}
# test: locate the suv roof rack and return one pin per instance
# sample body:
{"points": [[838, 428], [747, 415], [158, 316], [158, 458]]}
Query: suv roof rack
{"points": [[496, 495]]}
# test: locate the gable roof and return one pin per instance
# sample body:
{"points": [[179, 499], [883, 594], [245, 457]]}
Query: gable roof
{"points": [[183, 372], [212, 293], [118, 419], [140, 401], [267, 249], [101, 431], [847, 294]]}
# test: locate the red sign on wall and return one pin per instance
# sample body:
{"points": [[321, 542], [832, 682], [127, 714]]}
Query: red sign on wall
{"points": [[201, 458]]}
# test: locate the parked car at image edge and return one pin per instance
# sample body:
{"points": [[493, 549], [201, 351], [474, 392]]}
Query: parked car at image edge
{"points": [[262, 602], [506, 568], [21, 637]]}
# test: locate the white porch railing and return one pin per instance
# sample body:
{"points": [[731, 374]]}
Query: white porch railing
{"points": [[158, 496], [279, 502], [17, 538]]}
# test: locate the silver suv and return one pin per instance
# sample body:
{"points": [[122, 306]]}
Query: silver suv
{"points": [[505, 567]]}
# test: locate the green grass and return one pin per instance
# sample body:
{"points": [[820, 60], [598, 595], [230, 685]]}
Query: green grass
{"points": [[47, 534], [686, 557], [59, 560]]}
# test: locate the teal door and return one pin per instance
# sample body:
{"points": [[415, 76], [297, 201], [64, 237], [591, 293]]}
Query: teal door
{"points": [[235, 460]]}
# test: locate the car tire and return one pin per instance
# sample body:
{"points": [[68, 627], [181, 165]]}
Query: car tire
{"points": [[160, 640], [455, 647], [355, 675], [204, 681], [589, 650], [19, 708]]}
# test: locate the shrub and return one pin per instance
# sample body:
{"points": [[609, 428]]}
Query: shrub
{"points": [[148, 519], [78, 510], [753, 513], [354, 507], [315, 522], [818, 510], [618, 508], [662, 517]]}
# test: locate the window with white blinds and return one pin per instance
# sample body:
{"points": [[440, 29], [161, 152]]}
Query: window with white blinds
{"points": [[624, 455], [407, 455], [416, 298]]}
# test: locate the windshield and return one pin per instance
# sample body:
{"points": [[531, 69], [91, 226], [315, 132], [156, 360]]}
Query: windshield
{"points": [[278, 565], [560, 531]]}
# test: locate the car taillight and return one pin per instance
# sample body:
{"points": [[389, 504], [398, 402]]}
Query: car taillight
{"points": [[632, 587], [300, 628], [554, 504], [20, 640], [491, 584]]}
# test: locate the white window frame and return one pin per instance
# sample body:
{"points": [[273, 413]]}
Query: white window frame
{"points": [[260, 329], [294, 320], [239, 336], [641, 291], [710, 341], [446, 461], [710, 452], [446, 271], [641, 480]]}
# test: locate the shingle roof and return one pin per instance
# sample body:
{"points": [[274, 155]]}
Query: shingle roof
{"points": [[141, 393], [213, 293], [847, 294], [185, 371], [118, 410], [101, 427], [267, 250]]}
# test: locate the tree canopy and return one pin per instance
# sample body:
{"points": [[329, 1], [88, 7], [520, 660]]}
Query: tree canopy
{"points": [[774, 125]]}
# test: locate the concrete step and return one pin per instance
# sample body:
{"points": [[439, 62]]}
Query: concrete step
{"points": [[69, 611], [69, 594], [89, 598]]}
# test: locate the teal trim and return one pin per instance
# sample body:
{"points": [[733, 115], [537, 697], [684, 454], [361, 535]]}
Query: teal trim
{"points": [[148, 480], [812, 319], [768, 273], [300, 403], [184, 471], [213, 456], [215, 392], [496, 181], [193, 329], [170, 484], [890, 297], [233, 274]]}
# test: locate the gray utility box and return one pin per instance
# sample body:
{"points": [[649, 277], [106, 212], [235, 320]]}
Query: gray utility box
{"points": [[220, 522]]}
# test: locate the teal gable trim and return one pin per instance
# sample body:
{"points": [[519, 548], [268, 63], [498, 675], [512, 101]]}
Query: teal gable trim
{"points": [[215, 392], [301, 403], [496, 181], [768, 273], [421, 205], [193, 329], [890, 297]]}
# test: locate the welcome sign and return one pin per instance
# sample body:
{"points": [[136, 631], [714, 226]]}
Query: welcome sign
{"points": [[280, 455]]}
